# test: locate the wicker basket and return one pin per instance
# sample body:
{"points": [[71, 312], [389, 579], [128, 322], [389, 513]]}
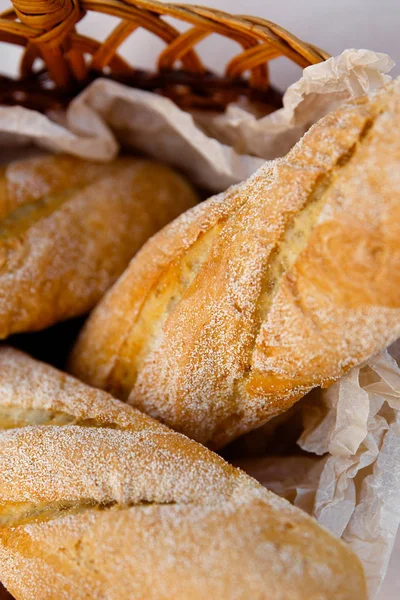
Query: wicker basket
{"points": [[46, 29]]}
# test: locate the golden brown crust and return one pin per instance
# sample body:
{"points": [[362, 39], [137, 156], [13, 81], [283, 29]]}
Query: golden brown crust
{"points": [[68, 229], [300, 283], [99, 501], [159, 268]]}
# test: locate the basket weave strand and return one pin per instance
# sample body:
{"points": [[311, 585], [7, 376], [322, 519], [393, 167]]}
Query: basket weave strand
{"points": [[46, 15], [46, 29]]}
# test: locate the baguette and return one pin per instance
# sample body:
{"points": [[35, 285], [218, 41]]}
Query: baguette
{"points": [[68, 228], [242, 305], [98, 501]]}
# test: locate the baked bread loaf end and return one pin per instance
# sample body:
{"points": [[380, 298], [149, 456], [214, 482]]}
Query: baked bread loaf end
{"points": [[242, 305], [68, 229], [98, 501]]}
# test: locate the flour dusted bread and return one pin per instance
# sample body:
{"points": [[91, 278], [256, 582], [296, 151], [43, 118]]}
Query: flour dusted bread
{"points": [[98, 501], [68, 228], [243, 304]]}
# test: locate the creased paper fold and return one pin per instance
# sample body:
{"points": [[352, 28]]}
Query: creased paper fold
{"points": [[353, 488], [108, 114]]}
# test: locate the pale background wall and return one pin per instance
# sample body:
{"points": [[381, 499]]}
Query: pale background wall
{"points": [[330, 24]]}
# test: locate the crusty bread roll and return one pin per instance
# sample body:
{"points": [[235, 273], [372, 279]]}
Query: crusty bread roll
{"points": [[68, 228], [243, 304], [98, 501]]}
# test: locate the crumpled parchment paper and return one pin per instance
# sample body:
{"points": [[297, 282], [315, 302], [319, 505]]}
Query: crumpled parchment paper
{"points": [[350, 477], [353, 488], [108, 113]]}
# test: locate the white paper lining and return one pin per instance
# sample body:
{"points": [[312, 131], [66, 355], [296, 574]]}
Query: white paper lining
{"points": [[353, 489], [107, 113]]}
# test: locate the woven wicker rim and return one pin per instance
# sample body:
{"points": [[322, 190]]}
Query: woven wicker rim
{"points": [[46, 29]]}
